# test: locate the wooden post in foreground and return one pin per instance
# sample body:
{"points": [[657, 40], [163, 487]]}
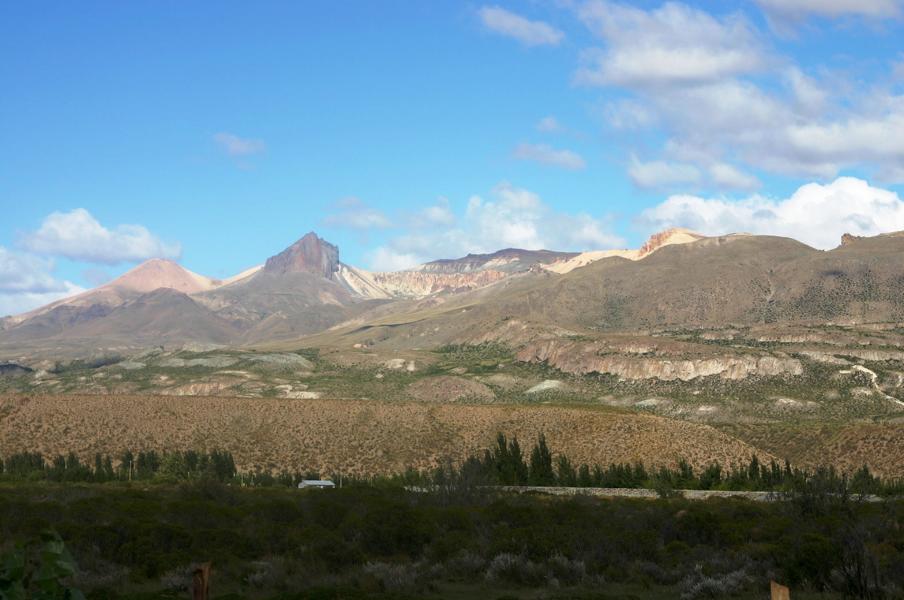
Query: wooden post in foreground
{"points": [[779, 592], [200, 582]]}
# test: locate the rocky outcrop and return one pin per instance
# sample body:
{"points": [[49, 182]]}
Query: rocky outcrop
{"points": [[655, 242], [848, 238], [417, 284], [675, 235], [583, 358], [509, 260], [310, 254]]}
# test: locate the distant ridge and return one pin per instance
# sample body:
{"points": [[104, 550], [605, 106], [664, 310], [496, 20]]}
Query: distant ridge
{"points": [[678, 278]]}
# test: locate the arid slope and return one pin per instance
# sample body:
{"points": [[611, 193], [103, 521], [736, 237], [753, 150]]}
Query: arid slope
{"points": [[351, 436]]}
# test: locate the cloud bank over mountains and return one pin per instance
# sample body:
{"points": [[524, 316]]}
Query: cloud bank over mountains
{"points": [[27, 277], [815, 214], [77, 235], [510, 217]]}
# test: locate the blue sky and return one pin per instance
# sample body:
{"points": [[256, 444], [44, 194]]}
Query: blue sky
{"points": [[218, 133]]}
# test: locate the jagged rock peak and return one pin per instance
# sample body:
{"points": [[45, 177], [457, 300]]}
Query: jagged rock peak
{"points": [[310, 254], [675, 235], [849, 238]]}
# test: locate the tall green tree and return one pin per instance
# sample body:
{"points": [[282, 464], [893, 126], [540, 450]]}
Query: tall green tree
{"points": [[541, 472], [567, 476]]}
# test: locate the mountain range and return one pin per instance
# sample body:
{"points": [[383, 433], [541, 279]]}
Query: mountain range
{"points": [[677, 279]]}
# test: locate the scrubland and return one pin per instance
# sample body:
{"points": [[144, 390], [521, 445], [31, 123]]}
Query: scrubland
{"points": [[357, 437], [140, 541]]}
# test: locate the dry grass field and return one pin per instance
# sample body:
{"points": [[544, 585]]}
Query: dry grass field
{"points": [[357, 437], [847, 445]]}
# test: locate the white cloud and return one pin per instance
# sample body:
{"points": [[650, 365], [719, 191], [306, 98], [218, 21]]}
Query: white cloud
{"points": [[688, 78], [671, 45], [809, 96], [628, 114], [79, 236], [658, 173], [726, 176], [25, 273], [856, 139], [547, 155], [388, 259], [798, 128], [237, 146], [354, 214], [438, 214], [796, 10], [26, 283], [897, 69], [549, 125], [529, 33], [14, 303], [511, 217], [815, 214]]}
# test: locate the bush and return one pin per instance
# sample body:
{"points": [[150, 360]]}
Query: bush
{"points": [[178, 579], [394, 577], [565, 570], [266, 573], [700, 585], [515, 568], [46, 575], [465, 566]]}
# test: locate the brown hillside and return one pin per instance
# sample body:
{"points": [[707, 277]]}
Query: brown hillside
{"points": [[355, 437]]}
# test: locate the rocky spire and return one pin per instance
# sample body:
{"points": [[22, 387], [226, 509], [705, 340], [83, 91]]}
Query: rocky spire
{"points": [[310, 254]]}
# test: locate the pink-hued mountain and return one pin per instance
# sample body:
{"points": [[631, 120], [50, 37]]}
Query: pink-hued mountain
{"points": [[150, 275], [161, 273]]}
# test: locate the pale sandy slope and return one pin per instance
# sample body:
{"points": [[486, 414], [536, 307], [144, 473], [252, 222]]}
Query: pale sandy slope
{"points": [[666, 238]]}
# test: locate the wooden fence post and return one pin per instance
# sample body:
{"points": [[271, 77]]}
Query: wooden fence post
{"points": [[779, 592], [200, 582]]}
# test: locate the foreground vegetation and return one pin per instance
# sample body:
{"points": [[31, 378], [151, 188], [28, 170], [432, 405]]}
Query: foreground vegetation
{"points": [[132, 540], [135, 526]]}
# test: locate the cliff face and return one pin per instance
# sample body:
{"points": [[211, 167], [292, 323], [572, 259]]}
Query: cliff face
{"points": [[310, 254], [581, 358], [509, 260], [675, 235], [847, 239], [416, 284], [654, 243]]}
